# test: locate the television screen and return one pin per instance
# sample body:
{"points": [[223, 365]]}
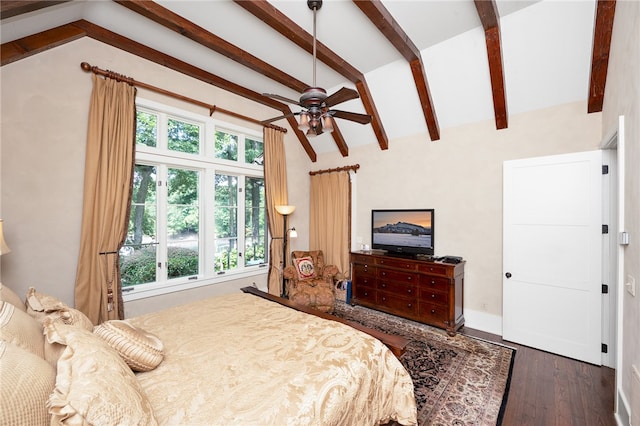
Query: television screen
{"points": [[406, 231]]}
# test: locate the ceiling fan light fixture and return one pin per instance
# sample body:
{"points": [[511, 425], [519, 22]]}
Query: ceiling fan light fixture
{"points": [[304, 121], [327, 122]]}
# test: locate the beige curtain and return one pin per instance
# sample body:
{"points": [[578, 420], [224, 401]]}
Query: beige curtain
{"points": [[275, 180], [329, 218], [109, 165]]}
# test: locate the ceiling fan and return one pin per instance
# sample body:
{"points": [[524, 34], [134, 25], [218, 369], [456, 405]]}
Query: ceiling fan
{"points": [[316, 116]]}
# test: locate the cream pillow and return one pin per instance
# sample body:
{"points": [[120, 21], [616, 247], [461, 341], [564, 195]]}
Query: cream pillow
{"points": [[20, 329], [68, 316], [94, 385], [8, 295], [27, 382], [39, 304], [141, 350]]}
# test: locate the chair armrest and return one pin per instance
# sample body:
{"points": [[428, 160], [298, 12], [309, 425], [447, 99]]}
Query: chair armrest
{"points": [[329, 271], [289, 272]]}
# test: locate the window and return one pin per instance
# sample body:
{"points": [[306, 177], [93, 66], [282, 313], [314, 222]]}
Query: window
{"points": [[198, 213]]}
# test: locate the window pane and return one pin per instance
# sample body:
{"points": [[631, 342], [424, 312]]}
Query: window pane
{"points": [[255, 222], [226, 146], [226, 211], [146, 129], [138, 255], [183, 137], [183, 223], [253, 152]]}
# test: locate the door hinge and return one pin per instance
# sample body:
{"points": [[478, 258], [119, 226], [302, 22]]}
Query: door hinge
{"points": [[605, 169], [605, 348], [605, 229], [605, 289]]}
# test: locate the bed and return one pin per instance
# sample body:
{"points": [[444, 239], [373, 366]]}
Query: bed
{"points": [[228, 360]]}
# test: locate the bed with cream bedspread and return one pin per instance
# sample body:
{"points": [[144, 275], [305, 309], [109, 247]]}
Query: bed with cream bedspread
{"points": [[243, 360]]}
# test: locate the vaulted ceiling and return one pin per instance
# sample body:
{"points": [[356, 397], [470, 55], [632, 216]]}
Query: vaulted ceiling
{"points": [[419, 67]]}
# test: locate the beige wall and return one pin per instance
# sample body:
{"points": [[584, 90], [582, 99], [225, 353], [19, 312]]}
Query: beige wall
{"points": [[461, 177], [622, 97], [45, 101]]}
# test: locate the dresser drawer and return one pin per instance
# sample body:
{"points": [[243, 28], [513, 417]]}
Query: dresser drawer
{"points": [[394, 303], [404, 277], [365, 294], [431, 296], [396, 263], [435, 283], [433, 313], [364, 271], [432, 268], [399, 288], [361, 258]]}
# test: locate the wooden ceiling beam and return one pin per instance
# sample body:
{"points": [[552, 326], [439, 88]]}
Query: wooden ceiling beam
{"points": [[389, 27], [605, 12], [9, 8], [488, 13], [27, 46], [271, 16]]}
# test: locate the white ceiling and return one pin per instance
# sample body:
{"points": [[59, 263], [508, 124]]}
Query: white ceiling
{"points": [[546, 51]]}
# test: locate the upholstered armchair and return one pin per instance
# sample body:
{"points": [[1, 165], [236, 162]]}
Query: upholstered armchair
{"points": [[310, 282]]}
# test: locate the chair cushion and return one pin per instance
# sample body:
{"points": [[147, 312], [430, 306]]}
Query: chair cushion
{"points": [[304, 268]]}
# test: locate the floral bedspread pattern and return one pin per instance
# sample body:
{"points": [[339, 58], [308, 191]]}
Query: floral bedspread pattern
{"points": [[243, 360]]}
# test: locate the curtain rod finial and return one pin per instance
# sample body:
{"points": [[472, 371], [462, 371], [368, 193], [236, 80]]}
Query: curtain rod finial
{"points": [[85, 66]]}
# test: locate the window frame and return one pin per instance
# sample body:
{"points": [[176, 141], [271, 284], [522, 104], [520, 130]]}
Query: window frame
{"points": [[208, 166]]}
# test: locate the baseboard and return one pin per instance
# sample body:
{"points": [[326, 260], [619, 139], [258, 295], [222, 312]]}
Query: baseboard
{"points": [[483, 321], [622, 415]]}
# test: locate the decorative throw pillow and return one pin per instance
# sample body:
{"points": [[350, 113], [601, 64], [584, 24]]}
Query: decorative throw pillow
{"points": [[39, 304], [141, 350], [8, 295], [94, 385], [68, 316], [27, 382], [20, 329], [304, 267]]}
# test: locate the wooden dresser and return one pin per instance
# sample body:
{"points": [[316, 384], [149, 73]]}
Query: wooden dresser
{"points": [[425, 291]]}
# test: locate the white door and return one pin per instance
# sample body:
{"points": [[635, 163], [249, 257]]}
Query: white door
{"points": [[552, 254]]}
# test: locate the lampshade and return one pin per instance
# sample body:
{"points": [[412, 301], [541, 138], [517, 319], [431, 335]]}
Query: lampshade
{"points": [[304, 121], [4, 248], [327, 123], [285, 210], [293, 233]]}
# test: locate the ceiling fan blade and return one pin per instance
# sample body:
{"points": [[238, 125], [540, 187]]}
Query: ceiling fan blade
{"points": [[340, 96], [280, 117], [351, 116], [282, 98]]}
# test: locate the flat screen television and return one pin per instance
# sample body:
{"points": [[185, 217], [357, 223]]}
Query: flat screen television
{"points": [[406, 232]]}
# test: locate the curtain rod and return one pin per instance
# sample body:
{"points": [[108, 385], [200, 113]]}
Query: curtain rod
{"points": [[212, 108], [354, 167]]}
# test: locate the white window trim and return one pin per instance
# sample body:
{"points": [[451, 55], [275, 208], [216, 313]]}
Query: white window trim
{"points": [[159, 154]]}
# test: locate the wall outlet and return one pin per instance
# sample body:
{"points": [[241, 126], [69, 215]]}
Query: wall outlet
{"points": [[630, 285]]}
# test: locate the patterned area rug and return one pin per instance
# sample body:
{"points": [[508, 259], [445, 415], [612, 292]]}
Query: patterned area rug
{"points": [[458, 380]]}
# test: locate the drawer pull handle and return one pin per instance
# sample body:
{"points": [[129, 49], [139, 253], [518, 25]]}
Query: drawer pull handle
{"points": [[433, 311], [409, 305], [384, 299], [383, 285], [408, 290], [409, 278], [433, 296], [433, 282]]}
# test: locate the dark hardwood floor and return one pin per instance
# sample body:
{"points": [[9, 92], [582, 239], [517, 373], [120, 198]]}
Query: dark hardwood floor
{"points": [[551, 390]]}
